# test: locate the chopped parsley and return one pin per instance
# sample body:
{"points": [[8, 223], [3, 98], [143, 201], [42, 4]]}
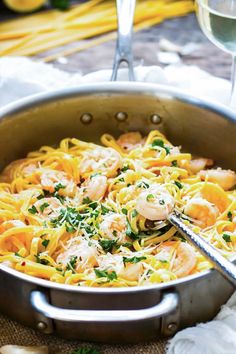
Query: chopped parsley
{"points": [[129, 232], [86, 200], [160, 143], [95, 174], [41, 260], [174, 163], [226, 237], [18, 255], [178, 184], [134, 213], [133, 259], [230, 216], [124, 211], [150, 197], [125, 168], [121, 179], [105, 274], [107, 245], [143, 184], [43, 206], [33, 210], [45, 243], [59, 186], [47, 194], [72, 263], [104, 210], [127, 244]]}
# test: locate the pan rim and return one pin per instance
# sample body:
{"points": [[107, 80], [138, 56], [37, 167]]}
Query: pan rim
{"points": [[108, 88], [112, 88]]}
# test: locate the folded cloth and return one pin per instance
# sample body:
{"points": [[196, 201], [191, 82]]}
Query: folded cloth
{"points": [[20, 77], [215, 337], [219, 335]]}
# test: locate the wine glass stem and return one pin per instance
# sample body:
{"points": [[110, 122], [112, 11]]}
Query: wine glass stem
{"points": [[233, 84]]}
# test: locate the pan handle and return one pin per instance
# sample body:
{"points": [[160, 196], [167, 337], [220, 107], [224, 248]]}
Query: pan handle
{"points": [[39, 302], [125, 17]]}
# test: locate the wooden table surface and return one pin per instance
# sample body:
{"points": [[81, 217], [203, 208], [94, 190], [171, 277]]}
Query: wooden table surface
{"points": [[145, 46]]}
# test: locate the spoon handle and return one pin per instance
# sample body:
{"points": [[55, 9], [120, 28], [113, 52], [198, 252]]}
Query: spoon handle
{"points": [[125, 17], [223, 265]]}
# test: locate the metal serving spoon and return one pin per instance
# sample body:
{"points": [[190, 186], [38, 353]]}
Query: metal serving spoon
{"points": [[125, 16], [223, 265]]}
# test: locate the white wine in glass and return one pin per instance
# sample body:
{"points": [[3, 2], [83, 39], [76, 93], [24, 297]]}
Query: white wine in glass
{"points": [[217, 19]]}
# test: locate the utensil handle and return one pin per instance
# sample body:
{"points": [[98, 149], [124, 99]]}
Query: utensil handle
{"points": [[223, 265], [125, 17], [40, 303]]}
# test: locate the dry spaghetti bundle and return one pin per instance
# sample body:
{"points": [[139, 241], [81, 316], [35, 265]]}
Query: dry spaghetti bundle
{"points": [[40, 32]]}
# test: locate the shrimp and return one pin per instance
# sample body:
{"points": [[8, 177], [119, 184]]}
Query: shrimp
{"points": [[113, 227], [85, 256], [224, 178], [202, 210], [105, 160], [155, 203], [48, 206], [95, 187], [132, 272], [130, 141], [114, 262], [184, 257], [50, 179], [185, 260], [214, 194], [199, 164]]}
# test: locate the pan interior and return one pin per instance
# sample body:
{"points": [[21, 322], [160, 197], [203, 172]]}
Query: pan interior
{"points": [[198, 130]]}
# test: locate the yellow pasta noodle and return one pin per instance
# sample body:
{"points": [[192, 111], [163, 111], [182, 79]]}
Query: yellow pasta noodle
{"points": [[96, 215]]}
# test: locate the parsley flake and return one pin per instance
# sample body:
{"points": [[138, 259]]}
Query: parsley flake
{"points": [[143, 184], [160, 143], [174, 163], [86, 200], [107, 245], [226, 237], [105, 274], [125, 168], [134, 259], [45, 243], [33, 210], [124, 211], [43, 206], [59, 186], [72, 263], [230, 216], [178, 184], [150, 197]]}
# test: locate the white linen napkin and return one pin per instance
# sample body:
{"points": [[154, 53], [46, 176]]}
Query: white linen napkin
{"points": [[215, 337], [20, 77]]}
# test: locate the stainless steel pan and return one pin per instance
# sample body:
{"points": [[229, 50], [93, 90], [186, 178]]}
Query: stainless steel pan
{"points": [[115, 315], [124, 314]]}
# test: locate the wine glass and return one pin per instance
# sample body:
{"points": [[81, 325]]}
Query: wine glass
{"points": [[217, 19]]}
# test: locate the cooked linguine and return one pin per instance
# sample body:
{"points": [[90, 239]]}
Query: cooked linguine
{"points": [[83, 214]]}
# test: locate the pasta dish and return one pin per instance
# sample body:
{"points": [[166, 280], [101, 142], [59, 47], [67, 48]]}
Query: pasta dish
{"points": [[92, 215]]}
